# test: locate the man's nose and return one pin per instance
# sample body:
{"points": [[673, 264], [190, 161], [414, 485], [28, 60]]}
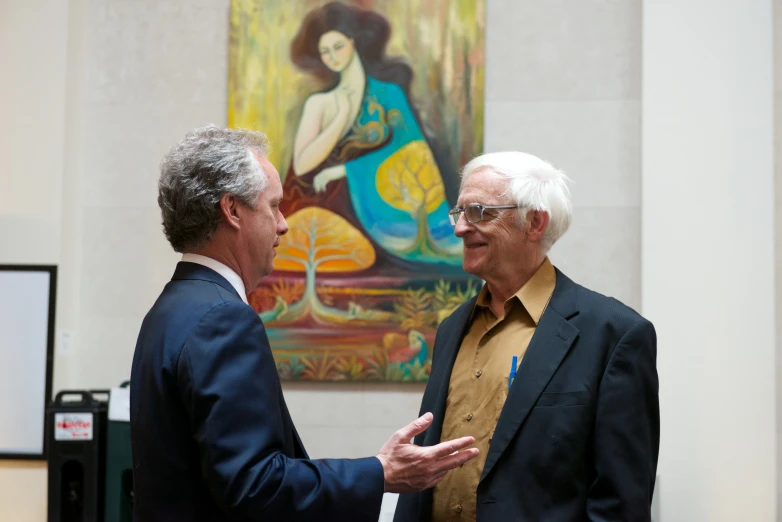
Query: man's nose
{"points": [[462, 226]]}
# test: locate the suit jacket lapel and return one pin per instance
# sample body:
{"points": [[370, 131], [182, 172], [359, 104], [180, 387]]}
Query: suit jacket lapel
{"points": [[552, 340], [447, 344], [439, 381]]}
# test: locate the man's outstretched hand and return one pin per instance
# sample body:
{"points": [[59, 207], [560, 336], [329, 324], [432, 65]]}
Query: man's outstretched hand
{"points": [[408, 468]]}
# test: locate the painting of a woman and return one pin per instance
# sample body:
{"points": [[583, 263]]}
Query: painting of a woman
{"points": [[359, 150], [368, 107]]}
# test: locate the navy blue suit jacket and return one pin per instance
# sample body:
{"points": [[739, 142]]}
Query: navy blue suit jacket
{"points": [[578, 436], [212, 438]]}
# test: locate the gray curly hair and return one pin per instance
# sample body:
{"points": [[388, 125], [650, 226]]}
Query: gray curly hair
{"points": [[208, 163]]}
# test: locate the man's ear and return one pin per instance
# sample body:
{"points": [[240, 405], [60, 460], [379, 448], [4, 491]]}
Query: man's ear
{"points": [[229, 208], [537, 223]]}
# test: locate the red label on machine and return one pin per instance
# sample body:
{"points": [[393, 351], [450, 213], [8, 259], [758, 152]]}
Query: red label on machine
{"points": [[73, 426]]}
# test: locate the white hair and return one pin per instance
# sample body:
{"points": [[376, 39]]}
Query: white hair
{"points": [[533, 184]]}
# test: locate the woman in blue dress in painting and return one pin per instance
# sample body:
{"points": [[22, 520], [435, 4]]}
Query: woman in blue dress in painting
{"points": [[359, 149]]}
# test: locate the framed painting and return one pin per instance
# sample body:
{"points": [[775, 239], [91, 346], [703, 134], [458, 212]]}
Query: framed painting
{"points": [[371, 106]]}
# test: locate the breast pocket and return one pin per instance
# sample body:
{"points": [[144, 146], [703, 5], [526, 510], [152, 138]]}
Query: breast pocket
{"points": [[554, 399]]}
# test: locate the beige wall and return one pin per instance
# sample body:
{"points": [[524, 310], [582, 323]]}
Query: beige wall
{"points": [[777, 30], [563, 81], [123, 80], [708, 254], [32, 102]]}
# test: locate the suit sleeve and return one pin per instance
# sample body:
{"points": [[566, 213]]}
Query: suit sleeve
{"points": [[627, 431], [229, 385]]}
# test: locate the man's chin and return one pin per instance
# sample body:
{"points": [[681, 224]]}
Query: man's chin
{"points": [[472, 267]]}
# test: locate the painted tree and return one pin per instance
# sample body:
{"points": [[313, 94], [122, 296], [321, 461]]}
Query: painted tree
{"points": [[319, 241], [410, 181]]}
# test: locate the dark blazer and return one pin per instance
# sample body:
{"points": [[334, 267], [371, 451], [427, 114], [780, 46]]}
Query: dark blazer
{"points": [[212, 438], [579, 433]]}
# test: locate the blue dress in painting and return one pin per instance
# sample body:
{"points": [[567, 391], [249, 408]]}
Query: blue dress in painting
{"points": [[393, 191]]}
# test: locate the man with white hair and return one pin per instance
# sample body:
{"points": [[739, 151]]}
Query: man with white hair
{"points": [[557, 383]]}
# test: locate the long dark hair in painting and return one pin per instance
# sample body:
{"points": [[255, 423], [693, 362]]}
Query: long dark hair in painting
{"points": [[369, 31]]}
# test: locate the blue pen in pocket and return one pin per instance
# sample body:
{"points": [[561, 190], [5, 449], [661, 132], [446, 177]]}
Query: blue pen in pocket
{"points": [[512, 371]]}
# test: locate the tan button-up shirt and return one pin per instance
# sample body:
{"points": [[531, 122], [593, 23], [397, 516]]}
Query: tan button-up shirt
{"points": [[479, 385]]}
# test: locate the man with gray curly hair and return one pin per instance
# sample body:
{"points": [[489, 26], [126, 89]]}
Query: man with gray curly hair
{"points": [[558, 384], [212, 438]]}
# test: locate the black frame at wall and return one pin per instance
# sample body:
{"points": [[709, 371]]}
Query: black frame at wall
{"points": [[52, 271]]}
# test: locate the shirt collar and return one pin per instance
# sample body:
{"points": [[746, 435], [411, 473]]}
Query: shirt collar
{"points": [[535, 293], [222, 269]]}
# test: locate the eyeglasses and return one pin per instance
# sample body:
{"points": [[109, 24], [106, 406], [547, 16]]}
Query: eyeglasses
{"points": [[473, 212]]}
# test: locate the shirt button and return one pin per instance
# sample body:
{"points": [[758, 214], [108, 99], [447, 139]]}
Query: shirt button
{"points": [[469, 416], [478, 373], [458, 509]]}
